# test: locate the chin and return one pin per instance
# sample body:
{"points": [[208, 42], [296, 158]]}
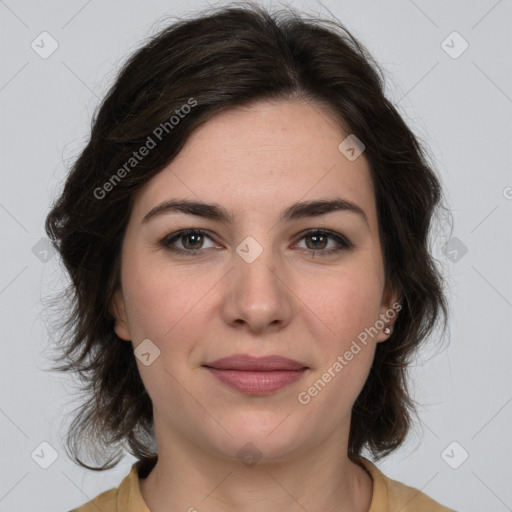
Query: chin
{"points": [[261, 436]]}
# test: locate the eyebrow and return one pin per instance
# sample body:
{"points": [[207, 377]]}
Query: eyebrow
{"points": [[218, 213]]}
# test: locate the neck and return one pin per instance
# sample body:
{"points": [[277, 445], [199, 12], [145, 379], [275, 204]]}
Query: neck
{"points": [[186, 478]]}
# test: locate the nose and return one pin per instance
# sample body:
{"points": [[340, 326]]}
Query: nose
{"points": [[259, 295]]}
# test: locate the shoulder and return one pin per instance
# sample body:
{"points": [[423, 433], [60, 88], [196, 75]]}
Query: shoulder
{"points": [[125, 497], [390, 495], [106, 502]]}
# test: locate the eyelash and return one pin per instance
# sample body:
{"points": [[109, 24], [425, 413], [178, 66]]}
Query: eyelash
{"points": [[343, 243]]}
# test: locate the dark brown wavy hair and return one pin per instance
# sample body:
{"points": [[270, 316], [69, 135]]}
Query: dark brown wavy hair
{"points": [[217, 60]]}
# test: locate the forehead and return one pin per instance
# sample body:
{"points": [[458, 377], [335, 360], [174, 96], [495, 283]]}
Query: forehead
{"points": [[260, 158]]}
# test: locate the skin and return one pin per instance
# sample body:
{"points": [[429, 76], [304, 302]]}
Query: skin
{"points": [[292, 300]]}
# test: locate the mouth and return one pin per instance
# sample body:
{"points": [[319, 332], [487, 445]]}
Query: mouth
{"points": [[256, 375]]}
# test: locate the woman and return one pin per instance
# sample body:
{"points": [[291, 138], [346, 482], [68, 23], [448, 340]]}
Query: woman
{"points": [[246, 234]]}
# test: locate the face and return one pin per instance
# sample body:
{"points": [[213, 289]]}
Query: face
{"points": [[265, 270]]}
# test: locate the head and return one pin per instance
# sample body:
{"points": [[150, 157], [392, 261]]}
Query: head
{"points": [[236, 116]]}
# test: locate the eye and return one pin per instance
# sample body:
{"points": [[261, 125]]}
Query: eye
{"points": [[191, 242], [187, 241], [324, 242]]}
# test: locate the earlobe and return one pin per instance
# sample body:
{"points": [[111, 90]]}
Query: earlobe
{"points": [[118, 311], [390, 307]]}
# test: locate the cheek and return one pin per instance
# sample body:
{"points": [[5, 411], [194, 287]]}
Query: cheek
{"points": [[348, 304], [160, 301], [169, 308], [163, 308], [339, 311], [345, 302]]}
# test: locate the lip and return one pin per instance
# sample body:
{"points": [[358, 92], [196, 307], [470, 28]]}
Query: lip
{"points": [[245, 362], [256, 375]]}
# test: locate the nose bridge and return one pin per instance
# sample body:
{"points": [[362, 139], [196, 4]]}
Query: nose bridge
{"points": [[258, 296], [259, 274]]}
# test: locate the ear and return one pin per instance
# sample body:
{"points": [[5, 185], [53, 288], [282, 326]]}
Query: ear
{"points": [[389, 309], [118, 311]]}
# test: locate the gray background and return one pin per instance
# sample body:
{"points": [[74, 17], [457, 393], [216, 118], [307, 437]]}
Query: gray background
{"points": [[461, 107]]}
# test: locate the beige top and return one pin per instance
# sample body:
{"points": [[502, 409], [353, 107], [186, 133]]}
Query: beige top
{"points": [[388, 495]]}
